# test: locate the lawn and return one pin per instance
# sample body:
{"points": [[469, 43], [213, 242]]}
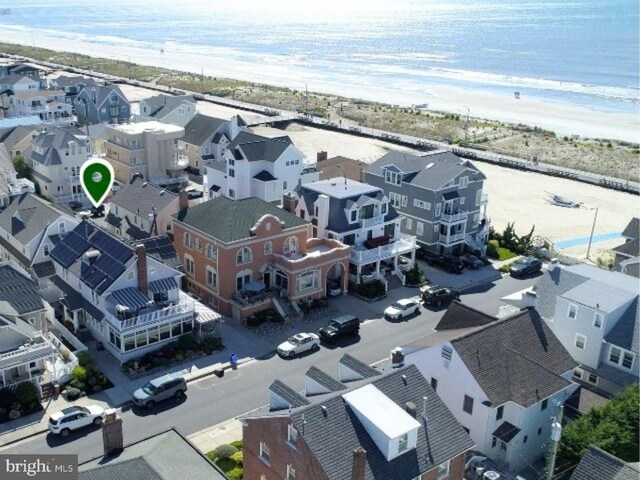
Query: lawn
{"points": [[229, 459], [505, 254]]}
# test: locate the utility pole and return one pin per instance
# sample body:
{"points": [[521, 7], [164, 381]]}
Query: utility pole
{"points": [[306, 99], [593, 227], [202, 80], [556, 432], [466, 124]]}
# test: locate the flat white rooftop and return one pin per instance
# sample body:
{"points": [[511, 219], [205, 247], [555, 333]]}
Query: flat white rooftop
{"points": [[340, 187], [613, 279], [150, 126], [380, 410]]}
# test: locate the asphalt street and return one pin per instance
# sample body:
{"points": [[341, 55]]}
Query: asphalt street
{"points": [[212, 400]]}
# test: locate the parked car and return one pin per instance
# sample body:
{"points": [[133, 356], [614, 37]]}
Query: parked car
{"points": [[299, 343], [402, 308], [340, 327], [194, 194], [73, 418], [97, 212], [116, 186], [436, 295], [159, 389], [471, 261], [448, 263], [525, 266], [333, 288], [75, 205]]}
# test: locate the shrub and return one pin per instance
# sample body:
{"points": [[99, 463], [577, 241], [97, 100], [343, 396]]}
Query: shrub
{"points": [[255, 321], [79, 384], [97, 388], [237, 457], [414, 276], [492, 248], [15, 414], [238, 444], [372, 289], [186, 342], [79, 373], [235, 473], [179, 357], [92, 381], [26, 393], [225, 451], [73, 393], [210, 344], [84, 358], [7, 397]]}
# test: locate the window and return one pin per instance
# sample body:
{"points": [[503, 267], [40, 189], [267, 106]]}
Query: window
{"points": [[526, 437], [438, 207], [46, 250], [461, 200], [198, 243], [291, 473], [544, 404], [62, 228], [383, 208], [580, 341], [243, 255], [434, 384], [499, 412], [290, 246], [436, 227], [160, 297], [573, 311], [232, 193], [419, 228], [284, 185], [186, 240], [354, 215], [467, 405], [181, 111], [404, 200], [443, 470], [446, 352], [403, 442], [464, 181], [264, 453], [242, 279], [577, 373], [494, 441], [268, 248], [205, 150], [478, 197], [621, 357], [627, 360], [292, 436], [393, 178], [421, 204], [592, 378], [539, 430], [188, 265], [308, 280], [211, 252], [232, 172], [614, 355], [598, 320], [395, 199], [212, 278], [409, 224]]}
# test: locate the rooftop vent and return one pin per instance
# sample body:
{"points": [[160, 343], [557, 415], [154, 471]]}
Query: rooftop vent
{"points": [[410, 408], [429, 166]]}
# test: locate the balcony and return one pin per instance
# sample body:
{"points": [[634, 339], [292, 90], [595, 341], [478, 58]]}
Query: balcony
{"points": [[73, 178], [154, 314], [453, 217], [29, 352], [362, 255], [20, 186], [370, 222], [74, 197], [451, 239]]}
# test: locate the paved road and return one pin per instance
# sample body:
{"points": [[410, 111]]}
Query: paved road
{"points": [[213, 400]]}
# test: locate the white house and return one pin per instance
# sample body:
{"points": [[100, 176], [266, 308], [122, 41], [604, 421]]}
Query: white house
{"points": [[257, 166], [49, 105], [595, 313], [361, 216], [503, 381], [128, 300], [174, 109]]}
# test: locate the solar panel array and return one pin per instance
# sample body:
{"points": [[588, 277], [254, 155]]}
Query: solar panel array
{"points": [[106, 268], [160, 246]]}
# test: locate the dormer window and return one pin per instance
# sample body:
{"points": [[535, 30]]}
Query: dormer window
{"points": [[354, 215], [394, 178]]}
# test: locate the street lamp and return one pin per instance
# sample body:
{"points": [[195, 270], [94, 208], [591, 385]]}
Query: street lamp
{"points": [[466, 123], [593, 227]]}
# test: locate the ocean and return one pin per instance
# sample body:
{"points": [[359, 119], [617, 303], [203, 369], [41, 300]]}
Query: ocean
{"points": [[582, 52]]}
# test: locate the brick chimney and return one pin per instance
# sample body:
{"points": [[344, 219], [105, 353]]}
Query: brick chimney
{"points": [[183, 200], [359, 461], [112, 438], [143, 284], [289, 202]]}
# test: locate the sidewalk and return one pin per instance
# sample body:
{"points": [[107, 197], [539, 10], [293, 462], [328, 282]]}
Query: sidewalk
{"points": [[212, 437]]}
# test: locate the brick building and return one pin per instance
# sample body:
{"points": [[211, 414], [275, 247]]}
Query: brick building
{"points": [[364, 425], [242, 256]]}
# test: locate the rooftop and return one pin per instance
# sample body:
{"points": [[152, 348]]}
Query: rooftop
{"points": [[146, 126], [597, 464], [26, 216], [142, 198], [340, 187], [18, 294]]}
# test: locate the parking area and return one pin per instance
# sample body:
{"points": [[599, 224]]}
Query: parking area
{"points": [[465, 280]]}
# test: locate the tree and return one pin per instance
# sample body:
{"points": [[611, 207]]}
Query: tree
{"points": [[612, 427], [26, 393], [20, 164]]}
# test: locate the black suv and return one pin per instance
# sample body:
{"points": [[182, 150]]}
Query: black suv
{"points": [[435, 295], [448, 263], [338, 327]]}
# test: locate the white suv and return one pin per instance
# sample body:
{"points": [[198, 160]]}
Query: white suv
{"points": [[73, 418], [402, 308]]}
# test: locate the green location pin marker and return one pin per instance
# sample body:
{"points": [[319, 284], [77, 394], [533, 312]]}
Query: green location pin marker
{"points": [[96, 177]]}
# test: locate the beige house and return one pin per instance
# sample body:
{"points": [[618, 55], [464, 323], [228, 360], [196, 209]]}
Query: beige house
{"points": [[146, 148]]}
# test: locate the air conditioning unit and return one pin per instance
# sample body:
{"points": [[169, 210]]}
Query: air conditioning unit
{"points": [[478, 472], [491, 475]]}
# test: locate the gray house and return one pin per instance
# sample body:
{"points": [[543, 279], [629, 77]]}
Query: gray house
{"points": [[627, 255], [101, 104], [440, 197], [71, 85], [178, 109], [595, 313]]}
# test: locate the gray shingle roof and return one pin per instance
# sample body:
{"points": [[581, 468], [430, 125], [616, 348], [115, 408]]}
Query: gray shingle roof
{"points": [[13, 78], [256, 147], [632, 230], [18, 294], [459, 315], [440, 437], [230, 220], [44, 269], [288, 394], [264, 176], [16, 135], [51, 142], [75, 301], [26, 216], [166, 456], [630, 248], [200, 128], [21, 257], [325, 379], [584, 399], [445, 166], [596, 464], [357, 366], [516, 359], [140, 198], [553, 284], [613, 374], [72, 81], [626, 332]]}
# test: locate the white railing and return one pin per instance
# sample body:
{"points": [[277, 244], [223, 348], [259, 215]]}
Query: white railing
{"points": [[369, 222], [74, 197], [184, 307], [21, 351], [73, 178], [379, 276], [451, 238], [454, 217], [22, 185], [400, 274], [404, 244]]}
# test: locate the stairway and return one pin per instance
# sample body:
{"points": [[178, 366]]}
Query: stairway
{"points": [[284, 308], [393, 281], [48, 390], [84, 335]]}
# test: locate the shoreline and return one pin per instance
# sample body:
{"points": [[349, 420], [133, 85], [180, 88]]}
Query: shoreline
{"points": [[562, 118]]}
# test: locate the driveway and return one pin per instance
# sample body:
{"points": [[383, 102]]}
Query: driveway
{"points": [[467, 279]]}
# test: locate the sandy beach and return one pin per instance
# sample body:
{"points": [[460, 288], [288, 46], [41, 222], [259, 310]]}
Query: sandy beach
{"points": [[565, 119]]}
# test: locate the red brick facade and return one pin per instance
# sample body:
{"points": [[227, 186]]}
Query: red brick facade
{"points": [[266, 263]]}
